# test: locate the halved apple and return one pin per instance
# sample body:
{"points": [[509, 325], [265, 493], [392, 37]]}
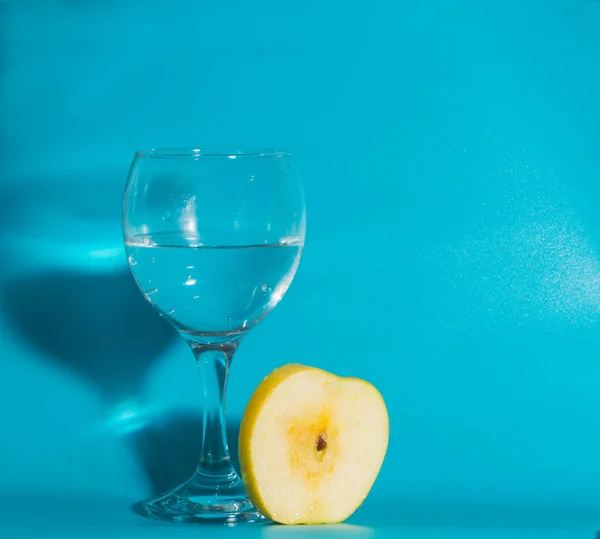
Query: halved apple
{"points": [[311, 445]]}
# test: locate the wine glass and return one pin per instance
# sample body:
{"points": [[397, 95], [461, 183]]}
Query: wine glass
{"points": [[213, 238]]}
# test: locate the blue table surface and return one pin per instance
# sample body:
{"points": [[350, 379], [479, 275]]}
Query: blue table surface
{"points": [[92, 516]]}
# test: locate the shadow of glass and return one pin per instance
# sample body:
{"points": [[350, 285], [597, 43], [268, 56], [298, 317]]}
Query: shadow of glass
{"points": [[97, 326], [168, 449], [66, 290], [100, 327]]}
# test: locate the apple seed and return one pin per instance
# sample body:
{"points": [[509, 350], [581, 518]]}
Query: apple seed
{"points": [[321, 442]]}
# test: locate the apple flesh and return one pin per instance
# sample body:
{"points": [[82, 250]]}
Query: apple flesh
{"points": [[311, 445]]}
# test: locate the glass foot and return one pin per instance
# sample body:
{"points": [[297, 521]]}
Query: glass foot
{"points": [[201, 500]]}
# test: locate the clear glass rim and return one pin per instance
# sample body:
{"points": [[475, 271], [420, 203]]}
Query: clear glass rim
{"points": [[232, 153]]}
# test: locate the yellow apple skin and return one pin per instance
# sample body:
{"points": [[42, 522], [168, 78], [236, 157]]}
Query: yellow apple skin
{"points": [[311, 445]]}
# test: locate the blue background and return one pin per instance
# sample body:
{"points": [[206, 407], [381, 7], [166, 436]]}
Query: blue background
{"points": [[450, 152]]}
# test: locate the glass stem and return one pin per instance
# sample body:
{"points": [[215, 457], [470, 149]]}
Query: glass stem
{"points": [[213, 362]]}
